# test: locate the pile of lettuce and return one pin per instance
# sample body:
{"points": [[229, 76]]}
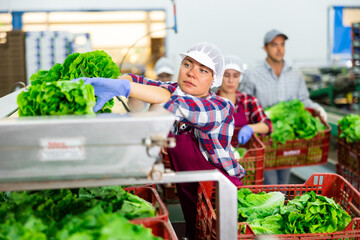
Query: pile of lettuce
{"points": [[52, 93], [350, 128], [292, 121], [308, 213], [85, 213]]}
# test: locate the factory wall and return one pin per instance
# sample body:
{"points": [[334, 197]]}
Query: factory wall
{"points": [[237, 27]]}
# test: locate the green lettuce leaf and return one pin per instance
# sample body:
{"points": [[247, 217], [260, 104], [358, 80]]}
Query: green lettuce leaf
{"points": [[350, 128], [292, 121], [51, 92], [251, 206], [57, 98]]}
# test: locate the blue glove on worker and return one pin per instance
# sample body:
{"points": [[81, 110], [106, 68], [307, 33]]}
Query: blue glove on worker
{"points": [[245, 134], [107, 88]]}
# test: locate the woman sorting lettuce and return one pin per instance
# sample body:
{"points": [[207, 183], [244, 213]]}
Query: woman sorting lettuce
{"points": [[204, 124]]}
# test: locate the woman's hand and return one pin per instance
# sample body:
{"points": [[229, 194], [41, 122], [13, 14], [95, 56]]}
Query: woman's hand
{"points": [[245, 134], [107, 88]]}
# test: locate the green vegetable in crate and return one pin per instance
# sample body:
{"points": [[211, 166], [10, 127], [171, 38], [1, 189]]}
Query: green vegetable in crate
{"points": [[308, 213], [239, 152], [242, 151], [96, 224], [23, 214], [116, 198], [95, 64], [292, 121], [350, 128], [272, 224], [251, 206], [312, 213], [46, 97], [57, 98]]}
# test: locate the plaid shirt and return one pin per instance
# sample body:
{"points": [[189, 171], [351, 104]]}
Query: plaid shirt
{"points": [[253, 111], [211, 120], [269, 89]]}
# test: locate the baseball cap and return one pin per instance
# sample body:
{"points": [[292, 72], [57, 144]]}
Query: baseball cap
{"points": [[210, 56], [269, 36], [163, 65]]}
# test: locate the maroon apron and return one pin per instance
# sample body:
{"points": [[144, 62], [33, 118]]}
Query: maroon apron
{"points": [[186, 156], [239, 118]]}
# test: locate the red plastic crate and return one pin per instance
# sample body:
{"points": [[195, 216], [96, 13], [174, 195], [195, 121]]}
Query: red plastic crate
{"points": [[349, 175], [151, 195], [158, 227], [169, 191], [348, 153], [300, 152], [253, 161], [325, 184]]}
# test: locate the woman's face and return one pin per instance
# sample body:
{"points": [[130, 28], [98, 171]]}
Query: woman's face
{"points": [[194, 78], [231, 81]]}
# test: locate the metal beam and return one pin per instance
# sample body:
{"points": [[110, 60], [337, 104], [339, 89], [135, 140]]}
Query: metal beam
{"points": [[17, 20]]}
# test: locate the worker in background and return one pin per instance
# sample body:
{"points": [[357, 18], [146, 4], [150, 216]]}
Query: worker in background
{"points": [[164, 69], [204, 124], [164, 72], [275, 81], [249, 115]]}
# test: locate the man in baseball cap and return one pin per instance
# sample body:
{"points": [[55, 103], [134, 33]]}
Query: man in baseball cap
{"points": [[270, 35], [275, 81]]}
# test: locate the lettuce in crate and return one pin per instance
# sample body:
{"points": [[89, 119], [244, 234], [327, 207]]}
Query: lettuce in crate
{"points": [[350, 128], [53, 93], [267, 213], [292, 121]]}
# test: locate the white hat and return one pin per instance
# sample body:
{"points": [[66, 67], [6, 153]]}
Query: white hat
{"points": [[233, 62], [210, 56], [163, 65]]}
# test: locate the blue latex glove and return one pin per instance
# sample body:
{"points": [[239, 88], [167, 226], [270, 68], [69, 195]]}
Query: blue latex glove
{"points": [[245, 134], [107, 88]]}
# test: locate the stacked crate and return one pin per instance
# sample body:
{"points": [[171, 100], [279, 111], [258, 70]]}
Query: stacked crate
{"points": [[169, 191], [253, 160], [325, 184], [12, 62], [355, 36], [348, 164], [298, 152], [46, 48]]}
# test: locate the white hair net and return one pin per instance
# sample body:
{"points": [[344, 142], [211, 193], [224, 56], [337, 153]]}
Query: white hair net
{"points": [[210, 56], [163, 65], [233, 62]]}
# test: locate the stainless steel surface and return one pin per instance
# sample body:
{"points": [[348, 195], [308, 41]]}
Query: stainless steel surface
{"points": [[72, 147], [8, 104], [226, 199]]}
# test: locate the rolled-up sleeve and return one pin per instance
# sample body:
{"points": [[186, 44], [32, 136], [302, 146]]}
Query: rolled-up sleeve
{"points": [[202, 113], [143, 80]]}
